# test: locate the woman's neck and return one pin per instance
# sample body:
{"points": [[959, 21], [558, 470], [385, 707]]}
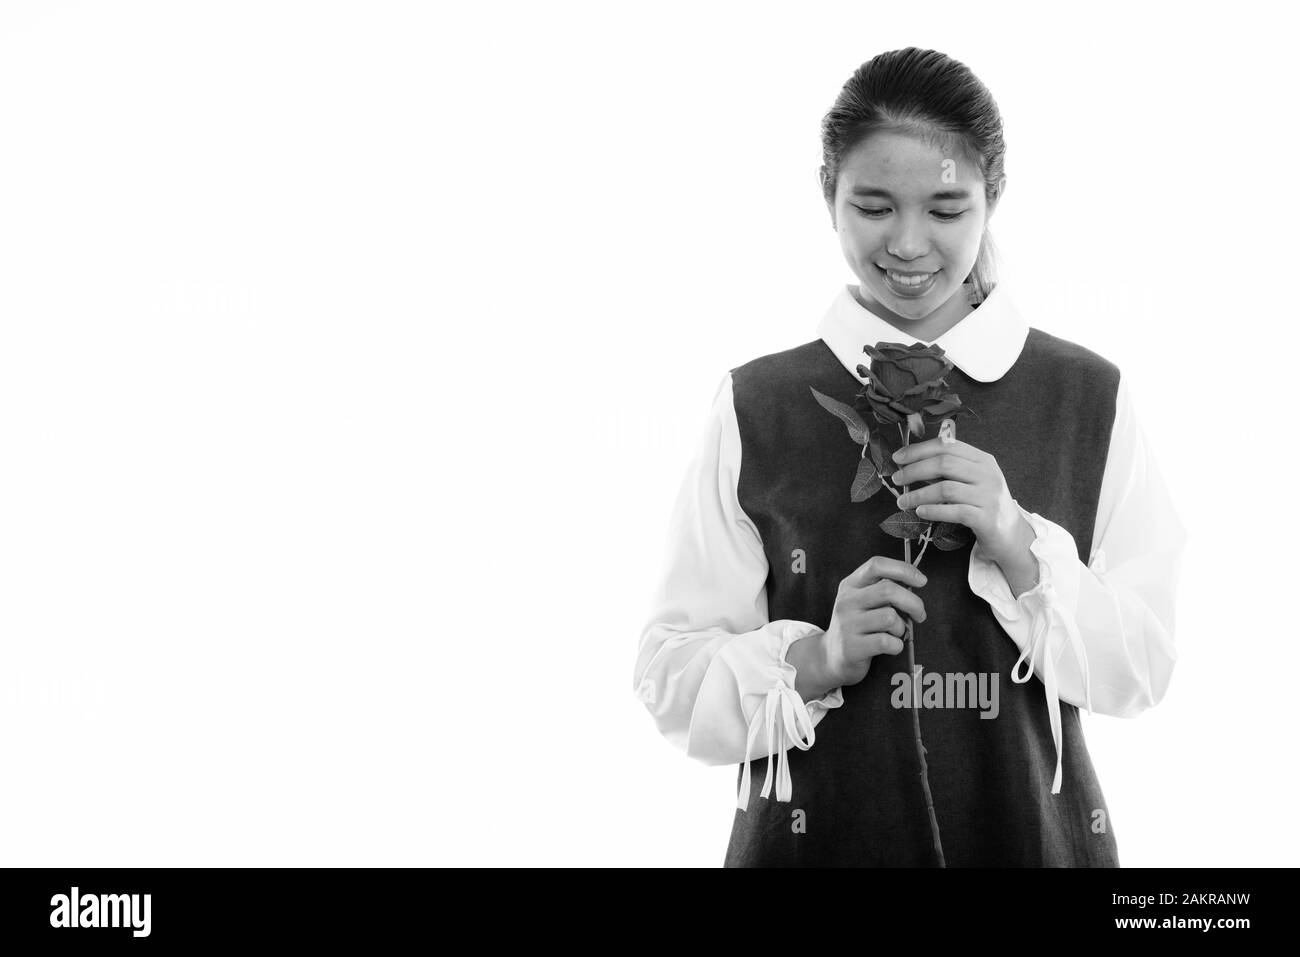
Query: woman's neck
{"points": [[930, 327]]}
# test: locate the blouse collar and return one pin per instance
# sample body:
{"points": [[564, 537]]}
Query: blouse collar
{"points": [[983, 345]]}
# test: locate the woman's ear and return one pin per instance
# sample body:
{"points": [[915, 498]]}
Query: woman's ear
{"points": [[830, 205], [997, 196]]}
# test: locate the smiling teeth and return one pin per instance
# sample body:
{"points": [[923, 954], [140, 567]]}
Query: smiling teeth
{"points": [[908, 280]]}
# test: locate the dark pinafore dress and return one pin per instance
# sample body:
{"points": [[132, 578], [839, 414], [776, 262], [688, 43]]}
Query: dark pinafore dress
{"points": [[857, 797]]}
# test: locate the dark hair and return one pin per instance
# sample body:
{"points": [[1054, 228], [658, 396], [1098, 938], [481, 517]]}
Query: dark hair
{"points": [[928, 94]]}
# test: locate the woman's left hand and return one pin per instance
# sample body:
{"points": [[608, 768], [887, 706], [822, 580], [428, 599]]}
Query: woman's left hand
{"points": [[968, 489]]}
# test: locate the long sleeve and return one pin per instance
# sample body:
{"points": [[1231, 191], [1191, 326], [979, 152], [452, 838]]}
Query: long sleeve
{"points": [[710, 667], [1099, 636]]}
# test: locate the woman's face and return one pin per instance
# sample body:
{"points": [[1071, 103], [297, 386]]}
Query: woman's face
{"points": [[910, 218]]}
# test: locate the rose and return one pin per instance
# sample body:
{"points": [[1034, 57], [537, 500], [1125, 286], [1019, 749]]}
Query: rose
{"points": [[906, 385], [906, 388]]}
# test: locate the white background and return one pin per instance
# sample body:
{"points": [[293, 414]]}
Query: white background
{"points": [[351, 354]]}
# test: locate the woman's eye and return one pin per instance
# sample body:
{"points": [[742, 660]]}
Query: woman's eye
{"points": [[875, 212]]}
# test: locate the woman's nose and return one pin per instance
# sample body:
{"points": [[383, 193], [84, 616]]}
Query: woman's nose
{"points": [[908, 241]]}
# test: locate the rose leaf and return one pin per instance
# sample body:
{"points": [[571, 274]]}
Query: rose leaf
{"points": [[952, 535], [882, 454], [942, 407], [904, 524], [846, 414], [867, 482]]}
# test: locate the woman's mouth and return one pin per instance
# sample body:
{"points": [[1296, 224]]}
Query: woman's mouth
{"points": [[908, 287]]}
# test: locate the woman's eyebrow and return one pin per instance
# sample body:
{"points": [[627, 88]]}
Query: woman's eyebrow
{"points": [[884, 194]]}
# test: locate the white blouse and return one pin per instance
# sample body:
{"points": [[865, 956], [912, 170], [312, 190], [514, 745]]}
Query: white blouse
{"points": [[711, 667]]}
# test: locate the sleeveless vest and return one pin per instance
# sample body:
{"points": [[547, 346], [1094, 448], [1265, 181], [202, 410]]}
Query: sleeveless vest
{"points": [[857, 798]]}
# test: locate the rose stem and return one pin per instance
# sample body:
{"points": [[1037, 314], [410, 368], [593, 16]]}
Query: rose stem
{"points": [[884, 479], [916, 705], [924, 545]]}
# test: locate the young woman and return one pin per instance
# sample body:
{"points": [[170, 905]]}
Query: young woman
{"points": [[775, 633]]}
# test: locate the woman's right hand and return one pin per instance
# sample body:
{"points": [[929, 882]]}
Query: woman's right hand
{"points": [[867, 621]]}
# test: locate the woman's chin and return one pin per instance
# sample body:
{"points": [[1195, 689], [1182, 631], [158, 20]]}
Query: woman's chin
{"points": [[904, 308]]}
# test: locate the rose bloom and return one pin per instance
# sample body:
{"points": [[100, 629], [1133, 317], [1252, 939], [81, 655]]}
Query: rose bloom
{"points": [[906, 381]]}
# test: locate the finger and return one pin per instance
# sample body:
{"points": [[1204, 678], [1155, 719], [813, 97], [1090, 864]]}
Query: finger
{"points": [[920, 450], [943, 492], [880, 620], [938, 466], [908, 603], [879, 567], [897, 625], [862, 647], [893, 596], [961, 514]]}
